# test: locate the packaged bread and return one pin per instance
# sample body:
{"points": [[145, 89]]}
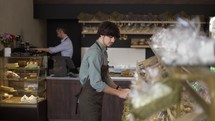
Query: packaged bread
{"points": [[11, 75], [11, 65], [7, 89]]}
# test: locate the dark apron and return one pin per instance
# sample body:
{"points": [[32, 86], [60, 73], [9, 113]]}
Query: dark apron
{"points": [[90, 100]]}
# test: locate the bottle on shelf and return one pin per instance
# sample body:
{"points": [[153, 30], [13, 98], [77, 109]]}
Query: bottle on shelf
{"points": [[22, 44], [27, 45], [18, 41]]}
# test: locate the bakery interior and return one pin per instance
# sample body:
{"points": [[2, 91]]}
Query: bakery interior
{"points": [[164, 87]]}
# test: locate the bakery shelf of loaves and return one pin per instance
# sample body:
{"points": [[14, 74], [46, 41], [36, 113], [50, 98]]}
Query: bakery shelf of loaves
{"points": [[171, 86], [162, 93]]}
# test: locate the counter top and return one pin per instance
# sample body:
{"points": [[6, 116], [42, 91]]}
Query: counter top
{"points": [[77, 78], [122, 78], [61, 78]]}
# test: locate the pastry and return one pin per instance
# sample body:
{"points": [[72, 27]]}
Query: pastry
{"points": [[22, 63], [11, 74], [32, 65], [7, 89], [11, 65], [29, 89], [127, 73], [7, 96], [24, 99], [33, 75], [32, 99]]}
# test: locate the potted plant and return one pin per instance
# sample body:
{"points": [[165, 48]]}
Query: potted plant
{"points": [[7, 40]]}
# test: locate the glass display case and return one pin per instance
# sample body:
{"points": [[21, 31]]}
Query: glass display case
{"points": [[22, 81]]}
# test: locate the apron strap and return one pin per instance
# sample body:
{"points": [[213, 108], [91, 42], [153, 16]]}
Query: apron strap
{"points": [[77, 100]]}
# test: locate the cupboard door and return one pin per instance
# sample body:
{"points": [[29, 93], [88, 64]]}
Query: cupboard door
{"points": [[62, 102], [113, 105], [61, 99]]}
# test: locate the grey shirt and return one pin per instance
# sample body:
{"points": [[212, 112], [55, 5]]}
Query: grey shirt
{"points": [[65, 47], [90, 69]]}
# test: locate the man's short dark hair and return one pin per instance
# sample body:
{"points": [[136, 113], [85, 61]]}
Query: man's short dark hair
{"points": [[108, 28], [62, 29]]}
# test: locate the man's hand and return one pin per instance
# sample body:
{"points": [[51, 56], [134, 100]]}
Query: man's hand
{"points": [[41, 49], [38, 49], [123, 93]]}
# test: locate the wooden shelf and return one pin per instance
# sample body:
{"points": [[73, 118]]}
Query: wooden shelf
{"points": [[88, 32], [37, 79], [167, 22], [140, 46], [150, 22], [141, 33], [24, 68]]}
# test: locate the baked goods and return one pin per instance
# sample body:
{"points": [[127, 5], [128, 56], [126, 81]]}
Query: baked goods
{"points": [[127, 73], [31, 99], [7, 89], [7, 96], [32, 65], [33, 75], [11, 65], [24, 99], [11, 75], [111, 73], [22, 63], [30, 76], [30, 89]]}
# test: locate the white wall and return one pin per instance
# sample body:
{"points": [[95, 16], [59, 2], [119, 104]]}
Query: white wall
{"points": [[16, 17], [122, 56]]}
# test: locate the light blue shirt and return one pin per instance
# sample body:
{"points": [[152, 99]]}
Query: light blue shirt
{"points": [[65, 47], [90, 69]]}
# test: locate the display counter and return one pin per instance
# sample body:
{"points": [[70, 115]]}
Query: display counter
{"points": [[61, 99], [76, 78], [23, 88]]}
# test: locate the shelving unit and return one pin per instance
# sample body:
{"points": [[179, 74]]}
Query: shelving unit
{"points": [[142, 29], [140, 46], [127, 33], [23, 76], [93, 25], [148, 22]]}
